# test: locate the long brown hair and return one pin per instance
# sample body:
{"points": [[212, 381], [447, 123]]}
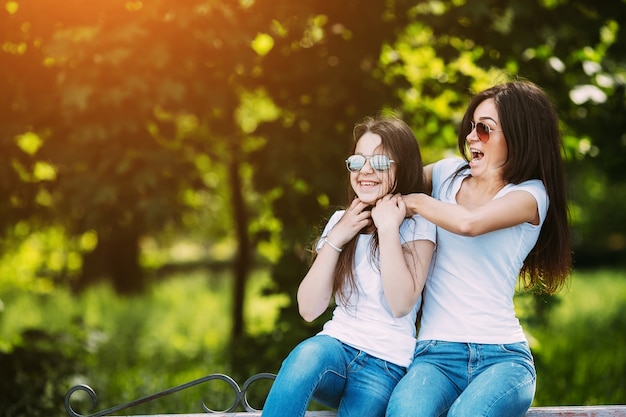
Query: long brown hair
{"points": [[531, 129], [398, 140]]}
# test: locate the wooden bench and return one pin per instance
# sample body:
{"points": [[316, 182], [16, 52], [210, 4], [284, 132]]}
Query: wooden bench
{"points": [[566, 411], [241, 401]]}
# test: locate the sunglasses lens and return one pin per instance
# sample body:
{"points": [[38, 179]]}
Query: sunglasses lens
{"points": [[482, 131], [355, 163], [380, 162]]}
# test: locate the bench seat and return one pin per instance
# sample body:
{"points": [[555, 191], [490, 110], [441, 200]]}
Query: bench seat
{"points": [[562, 411]]}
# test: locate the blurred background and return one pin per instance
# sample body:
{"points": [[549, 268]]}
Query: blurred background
{"points": [[166, 165]]}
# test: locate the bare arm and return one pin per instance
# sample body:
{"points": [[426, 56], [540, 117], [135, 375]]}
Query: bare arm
{"points": [[428, 178], [403, 272], [512, 209], [316, 288]]}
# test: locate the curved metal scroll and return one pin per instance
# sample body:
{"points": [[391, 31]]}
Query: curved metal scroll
{"points": [[240, 395]]}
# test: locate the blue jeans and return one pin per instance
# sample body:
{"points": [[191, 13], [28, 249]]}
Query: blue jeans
{"points": [[334, 374], [466, 379]]}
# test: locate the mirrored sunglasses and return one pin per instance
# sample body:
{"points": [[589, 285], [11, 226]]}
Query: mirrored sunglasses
{"points": [[482, 131], [380, 163]]}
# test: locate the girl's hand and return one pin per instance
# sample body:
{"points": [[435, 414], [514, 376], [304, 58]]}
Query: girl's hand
{"points": [[356, 218], [389, 212]]}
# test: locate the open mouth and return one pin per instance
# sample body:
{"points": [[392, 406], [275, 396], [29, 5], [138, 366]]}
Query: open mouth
{"points": [[476, 154]]}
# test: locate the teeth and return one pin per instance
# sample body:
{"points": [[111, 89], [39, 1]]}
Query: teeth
{"points": [[476, 154], [367, 183]]}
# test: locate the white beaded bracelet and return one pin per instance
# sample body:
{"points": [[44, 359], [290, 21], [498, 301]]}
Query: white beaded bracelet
{"points": [[328, 242]]}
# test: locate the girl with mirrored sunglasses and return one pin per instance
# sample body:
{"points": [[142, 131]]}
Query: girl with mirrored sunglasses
{"points": [[501, 216], [374, 261]]}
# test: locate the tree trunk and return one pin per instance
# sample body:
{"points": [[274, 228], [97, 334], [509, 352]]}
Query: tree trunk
{"points": [[115, 258], [241, 265]]}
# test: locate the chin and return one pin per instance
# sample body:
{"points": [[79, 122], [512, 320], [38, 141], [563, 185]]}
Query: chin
{"points": [[369, 200]]}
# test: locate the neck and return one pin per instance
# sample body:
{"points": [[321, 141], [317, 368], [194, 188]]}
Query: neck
{"points": [[368, 230]]}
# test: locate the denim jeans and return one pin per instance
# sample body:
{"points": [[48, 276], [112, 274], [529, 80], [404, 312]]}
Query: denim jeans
{"points": [[334, 374], [466, 379]]}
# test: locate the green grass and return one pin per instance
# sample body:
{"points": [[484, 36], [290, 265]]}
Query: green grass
{"points": [[599, 295], [179, 331], [581, 355]]}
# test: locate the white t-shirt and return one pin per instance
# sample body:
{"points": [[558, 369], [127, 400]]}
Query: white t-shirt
{"points": [[366, 321], [469, 295]]}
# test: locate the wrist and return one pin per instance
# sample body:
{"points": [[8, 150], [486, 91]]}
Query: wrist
{"points": [[389, 233], [411, 202], [333, 246]]}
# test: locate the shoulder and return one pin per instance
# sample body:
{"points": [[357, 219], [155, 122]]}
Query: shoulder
{"points": [[443, 173], [537, 190], [534, 187], [444, 168], [449, 165], [417, 227]]}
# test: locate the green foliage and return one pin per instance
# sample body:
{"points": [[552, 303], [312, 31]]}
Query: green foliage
{"points": [[126, 348], [42, 258], [134, 95], [34, 375]]}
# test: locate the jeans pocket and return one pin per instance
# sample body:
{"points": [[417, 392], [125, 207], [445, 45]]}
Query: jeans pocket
{"points": [[394, 371], [520, 348], [422, 347], [521, 353]]}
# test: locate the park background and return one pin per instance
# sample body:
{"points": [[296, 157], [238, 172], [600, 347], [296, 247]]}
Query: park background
{"points": [[166, 165]]}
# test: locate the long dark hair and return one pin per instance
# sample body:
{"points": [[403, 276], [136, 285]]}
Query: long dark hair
{"points": [[398, 140], [531, 129]]}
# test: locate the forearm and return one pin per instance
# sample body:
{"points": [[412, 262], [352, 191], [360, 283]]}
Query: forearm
{"points": [[399, 283], [454, 218], [316, 289], [498, 213]]}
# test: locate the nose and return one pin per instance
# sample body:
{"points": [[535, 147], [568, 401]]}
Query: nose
{"points": [[472, 136], [367, 168]]}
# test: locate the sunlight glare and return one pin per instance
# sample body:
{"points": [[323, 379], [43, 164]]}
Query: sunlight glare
{"points": [[133, 6], [584, 93], [263, 44], [11, 7], [43, 171]]}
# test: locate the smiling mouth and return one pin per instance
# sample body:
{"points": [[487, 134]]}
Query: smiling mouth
{"points": [[368, 183], [476, 154]]}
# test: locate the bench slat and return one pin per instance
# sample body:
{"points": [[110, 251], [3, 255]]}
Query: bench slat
{"points": [[578, 411], [238, 414], [563, 411]]}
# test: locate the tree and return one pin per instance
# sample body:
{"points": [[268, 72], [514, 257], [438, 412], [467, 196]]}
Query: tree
{"points": [[116, 77], [123, 100], [574, 49]]}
